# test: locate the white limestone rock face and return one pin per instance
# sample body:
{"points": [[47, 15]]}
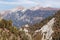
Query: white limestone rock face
{"points": [[46, 30]]}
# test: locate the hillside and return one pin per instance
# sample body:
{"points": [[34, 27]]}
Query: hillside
{"points": [[8, 31]]}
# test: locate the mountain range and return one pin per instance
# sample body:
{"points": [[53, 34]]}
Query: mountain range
{"points": [[22, 16]]}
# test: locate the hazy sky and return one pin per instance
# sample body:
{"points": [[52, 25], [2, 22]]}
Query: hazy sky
{"points": [[9, 4]]}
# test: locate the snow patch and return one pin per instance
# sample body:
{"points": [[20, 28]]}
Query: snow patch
{"points": [[26, 25]]}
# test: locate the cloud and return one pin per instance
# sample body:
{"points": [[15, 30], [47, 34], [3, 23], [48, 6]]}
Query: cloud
{"points": [[31, 3], [4, 2], [52, 3], [49, 3], [18, 2]]}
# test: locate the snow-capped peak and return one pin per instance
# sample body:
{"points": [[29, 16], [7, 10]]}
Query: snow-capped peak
{"points": [[22, 9]]}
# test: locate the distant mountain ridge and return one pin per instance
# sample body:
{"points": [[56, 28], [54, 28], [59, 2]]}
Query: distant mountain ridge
{"points": [[21, 16]]}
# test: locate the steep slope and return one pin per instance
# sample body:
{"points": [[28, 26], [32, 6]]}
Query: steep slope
{"points": [[56, 26]]}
